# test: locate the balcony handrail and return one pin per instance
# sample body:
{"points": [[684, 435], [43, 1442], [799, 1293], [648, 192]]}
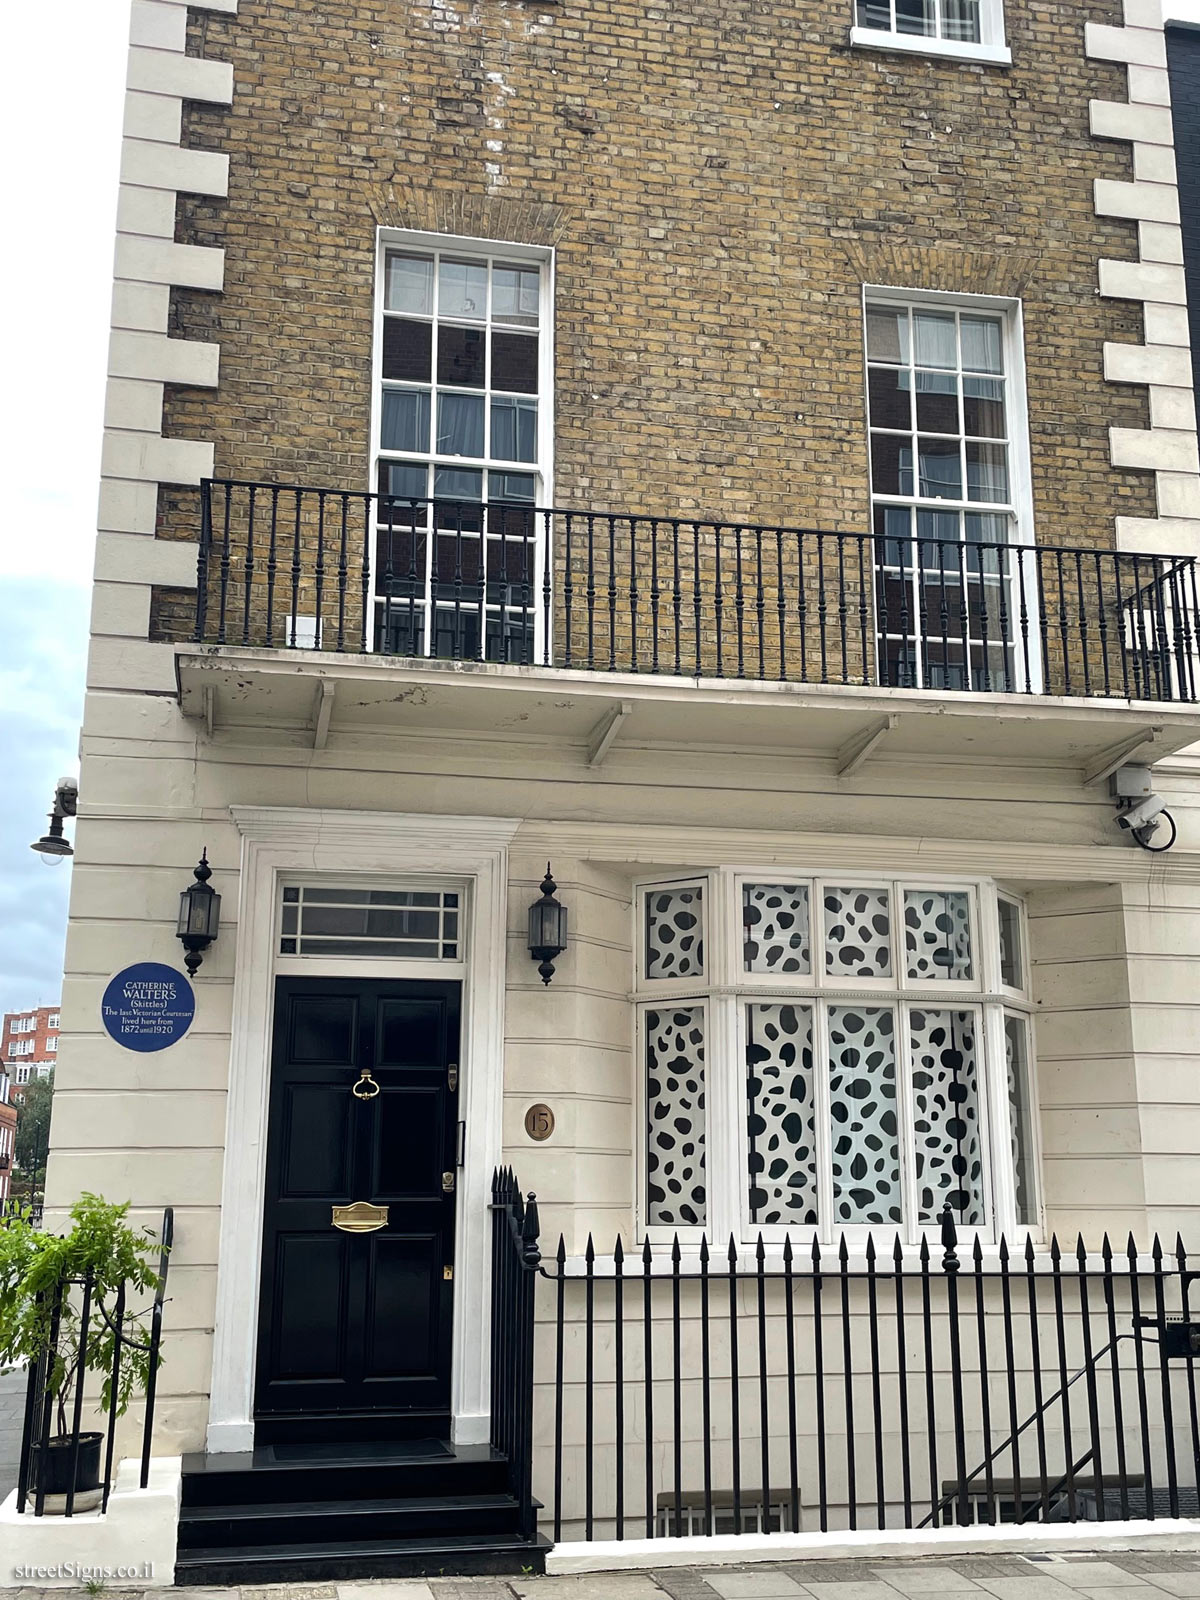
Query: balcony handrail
{"points": [[698, 520], [298, 567]]}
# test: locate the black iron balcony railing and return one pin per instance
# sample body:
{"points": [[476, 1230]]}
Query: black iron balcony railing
{"points": [[307, 568]]}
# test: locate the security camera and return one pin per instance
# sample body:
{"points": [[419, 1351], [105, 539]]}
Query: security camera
{"points": [[1143, 815]]}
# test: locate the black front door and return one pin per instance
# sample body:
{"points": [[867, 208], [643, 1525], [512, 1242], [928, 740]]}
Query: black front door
{"points": [[354, 1326]]}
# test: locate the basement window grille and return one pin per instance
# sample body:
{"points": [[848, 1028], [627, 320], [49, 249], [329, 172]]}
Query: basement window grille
{"points": [[692, 1521], [405, 924]]}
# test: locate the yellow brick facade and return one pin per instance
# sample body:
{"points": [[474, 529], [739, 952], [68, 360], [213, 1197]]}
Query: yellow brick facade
{"points": [[718, 185]]}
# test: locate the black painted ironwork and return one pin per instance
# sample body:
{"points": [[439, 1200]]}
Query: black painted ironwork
{"points": [[607, 592], [515, 1261], [884, 1388], [58, 1386]]}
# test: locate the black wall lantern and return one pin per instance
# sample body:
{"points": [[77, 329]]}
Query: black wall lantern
{"points": [[199, 915], [547, 928], [52, 847]]}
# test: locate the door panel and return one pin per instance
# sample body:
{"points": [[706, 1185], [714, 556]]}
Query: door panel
{"points": [[359, 1324]]}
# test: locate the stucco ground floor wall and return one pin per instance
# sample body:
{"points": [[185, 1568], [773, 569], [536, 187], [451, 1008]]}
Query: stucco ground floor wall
{"points": [[1114, 939]]}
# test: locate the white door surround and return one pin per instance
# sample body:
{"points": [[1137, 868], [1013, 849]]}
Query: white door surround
{"points": [[278, 841]]}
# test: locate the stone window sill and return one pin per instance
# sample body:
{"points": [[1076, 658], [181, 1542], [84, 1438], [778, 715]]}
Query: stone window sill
{"points": [[996, 55]]}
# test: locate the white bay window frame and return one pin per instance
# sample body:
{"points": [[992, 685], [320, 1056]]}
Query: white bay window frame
{"points": [[499, 251], [725, 990]]}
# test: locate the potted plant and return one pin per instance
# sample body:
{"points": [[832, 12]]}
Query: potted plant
{"points": [[44, 1275]]}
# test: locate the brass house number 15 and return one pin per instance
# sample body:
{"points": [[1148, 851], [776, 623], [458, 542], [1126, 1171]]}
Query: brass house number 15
{"points": [[539, 1122]]}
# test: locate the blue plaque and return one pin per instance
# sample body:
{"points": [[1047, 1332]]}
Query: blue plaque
{"points": [[148, 1006]]}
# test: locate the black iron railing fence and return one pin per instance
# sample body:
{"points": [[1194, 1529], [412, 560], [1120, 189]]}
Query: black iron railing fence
{"points": [[515, 1260], [55, 1387], [734, 1397], [284, 566]]}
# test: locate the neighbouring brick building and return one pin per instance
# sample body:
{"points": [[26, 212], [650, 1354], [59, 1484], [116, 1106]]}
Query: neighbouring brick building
{"points": [[29, 1046], [747, 458], [8, 1134]]}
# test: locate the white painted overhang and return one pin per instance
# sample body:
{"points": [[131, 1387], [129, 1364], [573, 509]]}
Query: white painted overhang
{"points": [[314, 696]]}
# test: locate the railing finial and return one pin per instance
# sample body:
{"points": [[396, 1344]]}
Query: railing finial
{"points": [[950, 1261]]}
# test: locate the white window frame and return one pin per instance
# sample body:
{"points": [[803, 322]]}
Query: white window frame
{"points": [[1020, 468], [724, 991], [541, 256], [992, 47]]}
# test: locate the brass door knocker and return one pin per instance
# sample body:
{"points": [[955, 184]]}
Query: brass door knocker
{"points": [[366, 1088]]}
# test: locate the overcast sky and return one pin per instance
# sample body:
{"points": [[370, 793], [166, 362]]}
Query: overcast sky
{"points": [[60, 124]]}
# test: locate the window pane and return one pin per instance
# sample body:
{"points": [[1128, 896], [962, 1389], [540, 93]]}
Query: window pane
{"points": [[1016, 1041], [937, 402], [887, 331], [945, 1081], [937, 934], [1012, 964], [779, 1115], [915, 16], [409, 284], [462, 289], [675, 1189], [983, 407], [862, 1106], [891, 397], [987, 472], [460, 424], [941, 469], [453, 483], [936, 345], [891, 464], [982, 344], [403, 482], [407, 349], [857, 933], [875, 14], [514, 430], [775, 927], [675, 932], [461, 356], [515, 362], [515, 294], [405, 422], [960, 20], [520, 486]]}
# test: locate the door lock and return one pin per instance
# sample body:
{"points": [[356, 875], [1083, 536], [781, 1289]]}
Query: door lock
{"points": [[452, 1076], [447, 1182]]}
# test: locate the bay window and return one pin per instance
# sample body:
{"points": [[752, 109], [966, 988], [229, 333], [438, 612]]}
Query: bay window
{"points": [[833, 1055]]}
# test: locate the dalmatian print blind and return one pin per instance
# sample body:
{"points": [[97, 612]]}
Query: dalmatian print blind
{"points": [[860, 1015]]}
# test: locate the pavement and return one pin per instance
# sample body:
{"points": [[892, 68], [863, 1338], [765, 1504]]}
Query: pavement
{"points": [[1153, 1576], [12, 1406]]}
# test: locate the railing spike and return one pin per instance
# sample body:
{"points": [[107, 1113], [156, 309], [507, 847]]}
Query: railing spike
{"points": [[589, 1252], [647, 1255], [1081, 1253], [1106, 1253], [732, 1252], [787, 1248], [1029, 1252], [871, 1248], [1156, 1251], [704, 1249], [560, 1255], [843, 1250], [760, 1253], [923, 1252], [1131, 1249], [977, 1253], [1003, 1249], [1055, 1251], [898, 1253], [618, 1251], [816, 1255]]}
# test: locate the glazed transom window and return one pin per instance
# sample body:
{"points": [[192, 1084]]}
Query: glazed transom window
{"points": [[461, 420], [834, 1054], [412, 924]]}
